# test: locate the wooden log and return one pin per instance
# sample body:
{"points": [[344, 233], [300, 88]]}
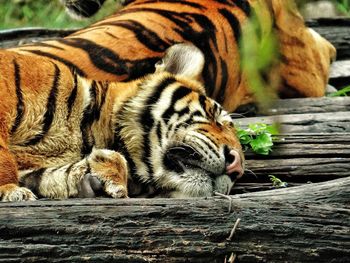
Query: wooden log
{"points": [[300, 224]]}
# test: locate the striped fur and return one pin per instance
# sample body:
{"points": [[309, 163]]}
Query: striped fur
{"points": [[126, 45], [66, 136]]}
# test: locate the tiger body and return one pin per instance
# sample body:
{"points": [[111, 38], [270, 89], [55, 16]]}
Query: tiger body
{"points": [[66, 136], [126, 45]]}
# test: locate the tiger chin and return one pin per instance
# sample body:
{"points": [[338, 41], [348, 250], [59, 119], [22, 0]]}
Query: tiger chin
{"points": [[64, 136]]}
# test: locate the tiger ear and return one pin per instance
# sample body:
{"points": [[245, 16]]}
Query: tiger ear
{"points": [[182, 59]]}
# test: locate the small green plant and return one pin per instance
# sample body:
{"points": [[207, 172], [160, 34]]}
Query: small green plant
{"points": [[343, 6], [258, 137], [276, 182], [342, 92]]}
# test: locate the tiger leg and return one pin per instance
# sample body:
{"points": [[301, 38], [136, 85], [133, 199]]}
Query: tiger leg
{"points": [[102, 170], [9, 188]]}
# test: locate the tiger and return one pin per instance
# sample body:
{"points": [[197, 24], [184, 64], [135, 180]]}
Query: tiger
{"points": [[127, 44], [82, 9], [63, 135]]}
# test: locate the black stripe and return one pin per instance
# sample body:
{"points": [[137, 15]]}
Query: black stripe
{"points": [[32, 180], [20, 103], [244, 6], [224, 78], [241, 4], [87, 120], [202, 100], [102, 57], [207, 143], [179, 93], [147, 121], [120, 146], [108, 61], [84, 8], [234, 23], [72, 97], [92, 113], [57, 58], [50, 109], [145, 35], [159, 132]]}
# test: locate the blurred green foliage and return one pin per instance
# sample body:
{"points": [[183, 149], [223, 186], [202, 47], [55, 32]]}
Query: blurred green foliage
{"points": [[343, 6], [260, 56], [44, 13], [342, 92]]}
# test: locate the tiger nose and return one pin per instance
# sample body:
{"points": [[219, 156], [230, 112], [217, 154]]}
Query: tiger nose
{"points": [[234, 164]]}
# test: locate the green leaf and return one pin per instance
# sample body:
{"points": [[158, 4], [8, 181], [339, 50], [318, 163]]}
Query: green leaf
{"points": [[262, 144], [258, 137], [342, 92], [276, 182]]}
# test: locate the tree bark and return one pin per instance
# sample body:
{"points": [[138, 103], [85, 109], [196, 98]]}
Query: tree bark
{"points": [[300, 224]]}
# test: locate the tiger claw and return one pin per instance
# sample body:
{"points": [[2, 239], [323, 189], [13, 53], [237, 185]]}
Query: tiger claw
{"points": [[116, 191], [15, 193]]}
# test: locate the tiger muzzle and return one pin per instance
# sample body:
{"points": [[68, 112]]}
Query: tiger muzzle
{"points": [[180, 158]]}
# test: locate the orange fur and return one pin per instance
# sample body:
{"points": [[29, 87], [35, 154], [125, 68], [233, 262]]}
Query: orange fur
{"points": [[125, 45], [60, 132]]}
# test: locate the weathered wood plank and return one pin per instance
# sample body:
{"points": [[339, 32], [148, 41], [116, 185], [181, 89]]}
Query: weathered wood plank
{"points": [[301, 224], [309, 105], [304, 123], [301, 158], [19, 36], [340, 69]]}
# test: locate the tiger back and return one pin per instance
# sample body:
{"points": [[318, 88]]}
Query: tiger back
{"points": [[126, 45]]}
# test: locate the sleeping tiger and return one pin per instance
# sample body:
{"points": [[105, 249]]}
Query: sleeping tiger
{"points": [[62, 135], [126, 45]]}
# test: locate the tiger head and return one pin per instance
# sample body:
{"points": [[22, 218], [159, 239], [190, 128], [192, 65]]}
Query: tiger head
{"points": [[178, 141]]}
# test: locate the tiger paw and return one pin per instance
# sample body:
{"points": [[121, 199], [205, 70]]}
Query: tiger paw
{"points": [[116, 190], [15, 193]]}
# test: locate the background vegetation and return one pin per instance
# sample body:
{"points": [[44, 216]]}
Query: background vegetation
{"points": [[45, 13]]}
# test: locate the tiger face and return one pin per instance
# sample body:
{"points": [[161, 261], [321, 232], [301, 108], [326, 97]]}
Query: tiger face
{"points": [[185, 145], [179, 141]]}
